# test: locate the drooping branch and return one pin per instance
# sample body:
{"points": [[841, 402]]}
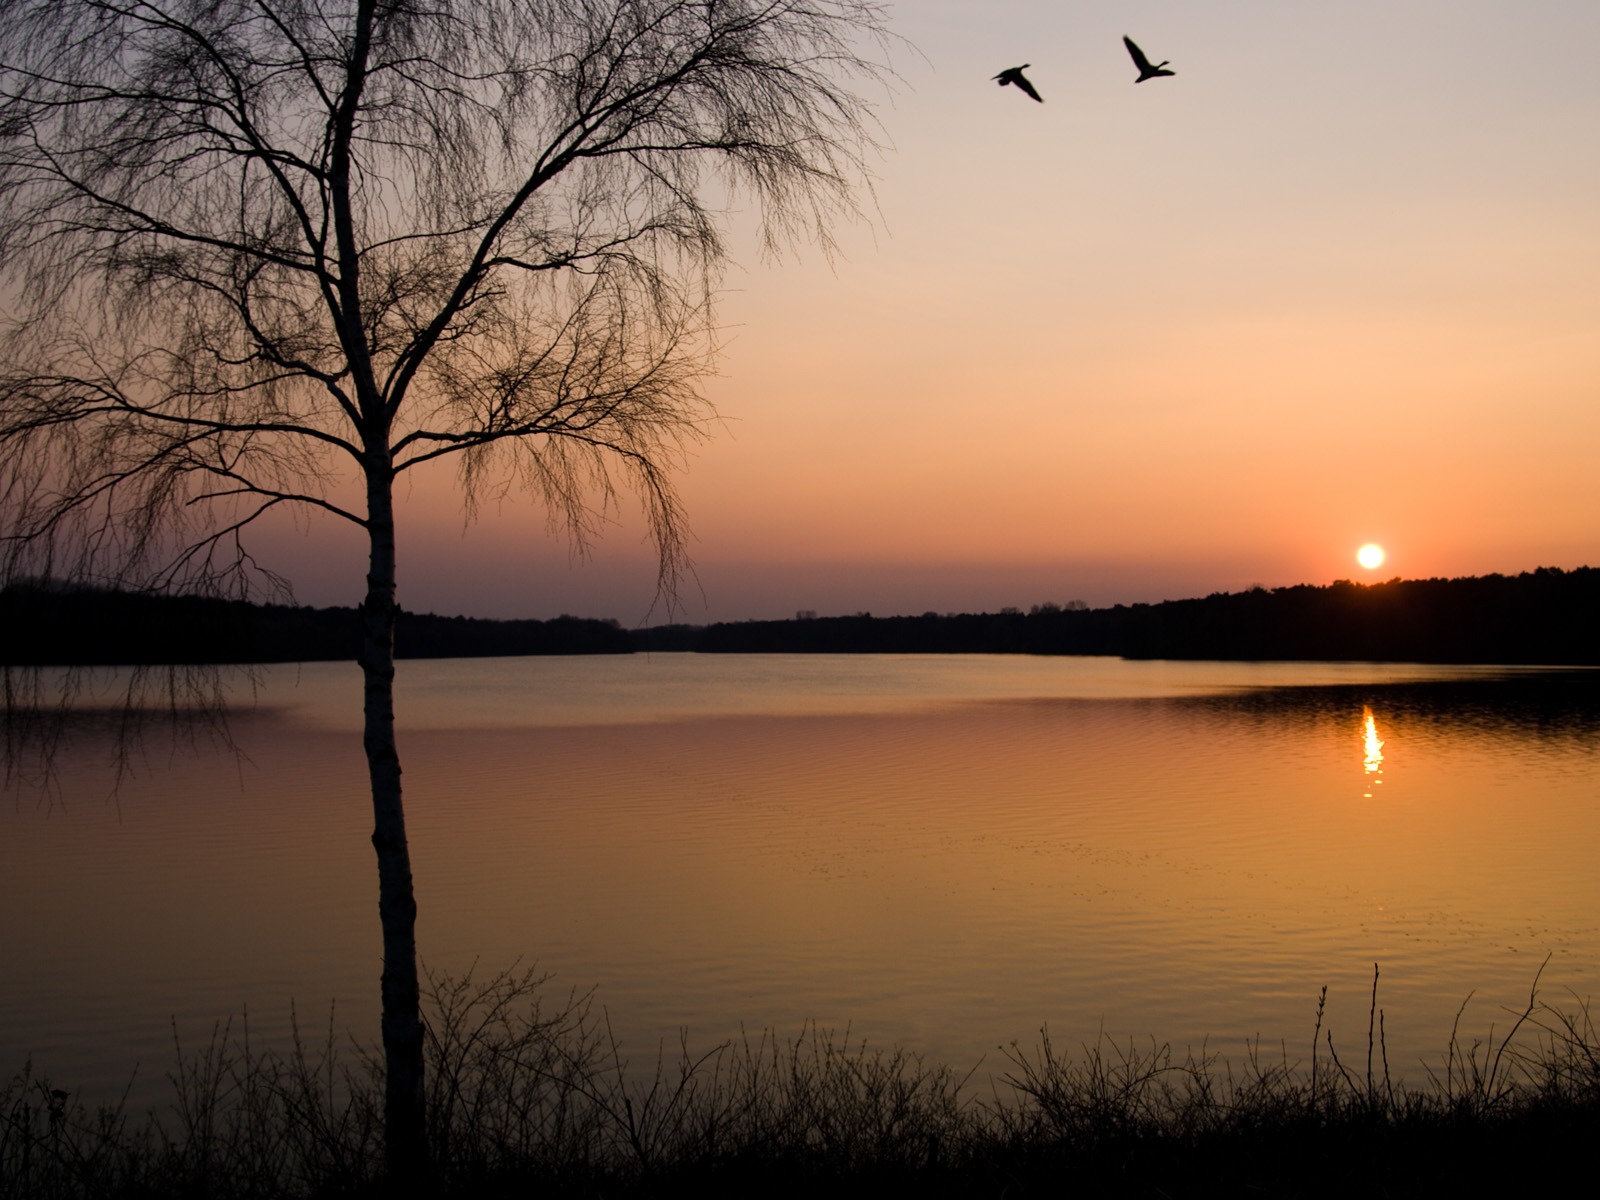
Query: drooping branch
{"points": [[253, 251]]}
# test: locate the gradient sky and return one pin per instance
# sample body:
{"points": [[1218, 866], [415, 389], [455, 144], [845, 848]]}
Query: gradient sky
{"points": [[1336, 281]]}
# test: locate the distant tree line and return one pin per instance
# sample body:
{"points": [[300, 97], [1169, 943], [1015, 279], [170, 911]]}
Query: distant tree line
{"points": [[1543, 616], [1547, 616], [48, 625]]}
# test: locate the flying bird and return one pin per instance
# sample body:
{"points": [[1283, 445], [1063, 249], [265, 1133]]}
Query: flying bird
{"points": [[1146, 71], [1015, 75]]}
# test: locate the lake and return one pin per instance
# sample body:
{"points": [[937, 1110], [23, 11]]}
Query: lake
{"points": [[937, 852]]}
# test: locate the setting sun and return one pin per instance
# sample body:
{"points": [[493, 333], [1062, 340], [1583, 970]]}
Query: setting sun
{"points": [[1370, 556]]}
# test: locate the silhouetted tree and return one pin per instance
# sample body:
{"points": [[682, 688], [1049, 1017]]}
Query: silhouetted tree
{"points": [[268, 253]]}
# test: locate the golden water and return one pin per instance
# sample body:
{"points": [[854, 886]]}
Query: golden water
{"points": [[939, 852]]}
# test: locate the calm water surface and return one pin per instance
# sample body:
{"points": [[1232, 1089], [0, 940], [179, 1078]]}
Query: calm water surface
{"points": [[939, 852]]}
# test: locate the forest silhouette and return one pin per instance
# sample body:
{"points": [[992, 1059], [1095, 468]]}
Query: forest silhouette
{"points": [[1542, 617]]}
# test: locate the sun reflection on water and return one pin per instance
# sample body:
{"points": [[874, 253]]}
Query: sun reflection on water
{"points": [[1372, 744]]}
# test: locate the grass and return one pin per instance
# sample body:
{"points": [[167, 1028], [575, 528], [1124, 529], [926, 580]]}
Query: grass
{"points": [[527, 1097]]}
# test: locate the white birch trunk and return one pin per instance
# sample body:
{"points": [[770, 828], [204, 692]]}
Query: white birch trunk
{"points": [[405, 1144]]}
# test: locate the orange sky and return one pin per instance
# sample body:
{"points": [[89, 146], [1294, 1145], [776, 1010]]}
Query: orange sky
{"points": [[1336, 281]]}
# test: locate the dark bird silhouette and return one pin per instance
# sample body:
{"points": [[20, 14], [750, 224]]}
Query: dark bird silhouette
{"points": [[1146, 71], [1015, 75]]}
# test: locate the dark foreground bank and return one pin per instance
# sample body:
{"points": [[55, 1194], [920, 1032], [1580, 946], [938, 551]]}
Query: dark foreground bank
{"points": [[1538, 617], [525, 1101]]}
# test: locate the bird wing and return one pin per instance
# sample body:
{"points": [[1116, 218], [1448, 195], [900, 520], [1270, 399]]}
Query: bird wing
{"points": [[1139, 60], [1027, 87]]}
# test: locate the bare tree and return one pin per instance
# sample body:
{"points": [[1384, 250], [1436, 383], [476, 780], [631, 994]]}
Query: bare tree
{"points": [[256, 252]]}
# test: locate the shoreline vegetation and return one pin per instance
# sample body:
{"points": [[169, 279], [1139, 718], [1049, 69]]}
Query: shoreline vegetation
{"points": [[527, 1097], [1541, 617]]}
